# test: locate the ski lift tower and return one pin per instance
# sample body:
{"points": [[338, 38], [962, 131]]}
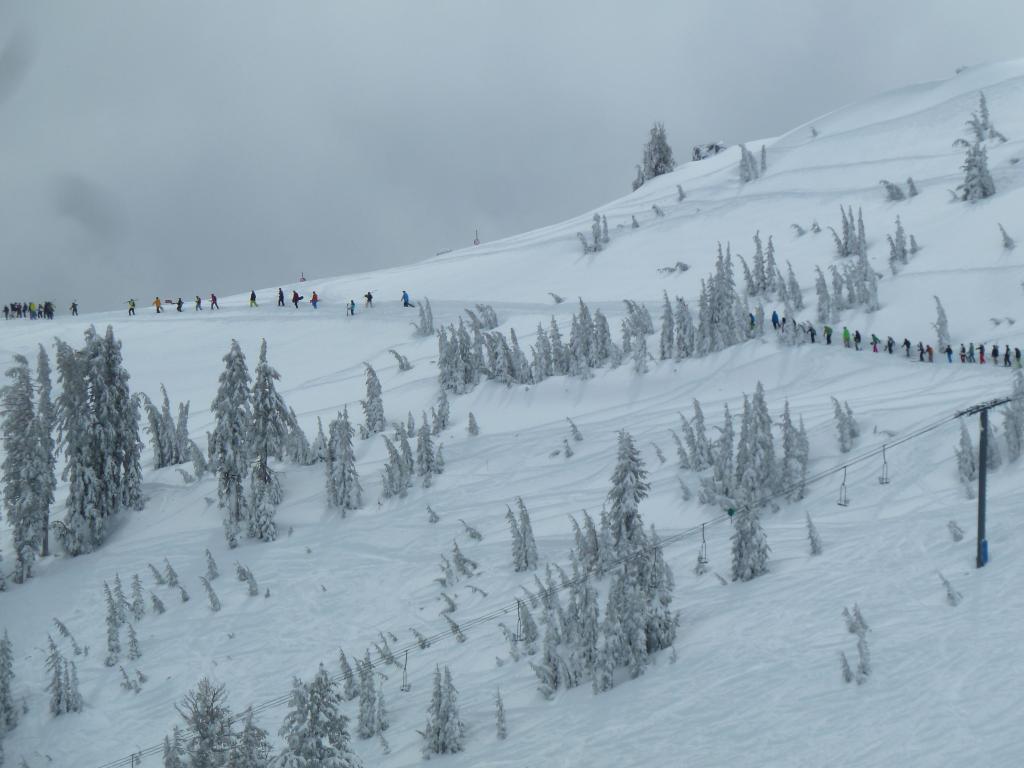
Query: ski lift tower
{"points": [[476, 237]]}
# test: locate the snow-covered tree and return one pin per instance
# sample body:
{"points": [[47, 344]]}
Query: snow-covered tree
{"points": [[749, 545], [658, 158], [795, 456], [1008, 242], [8, 712], [367, 722], [251, 748], [269, 428], [315, 730], [425, 326], [629, 488], [499, 716], [941, 326], [344, 491], [373, 405], [46, 460], [444, 731], [824, 311], [471, 425], [1013, 419], [966, 460], [232, 412], [846, 428], [21, 464], [793, 289], [812, 536], [138, 602], [978, 183], [426, 458], [667, 343], [207, 737]]}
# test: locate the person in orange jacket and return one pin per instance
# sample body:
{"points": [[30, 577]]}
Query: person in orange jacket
{"points": [[157, 303], [314, 299]]}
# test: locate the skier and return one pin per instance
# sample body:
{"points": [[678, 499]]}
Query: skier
{"points": [[775, 317], [970, 354], [1006, 356], [890, 345], [931, 353], [252, 299], [846, 337], [131, 307], [1016, 357], [963, 354], [178, 303], [74, 309], [995, 354], [280, 297], [405, 299], [981, 354], [812, 332], [314, 299], [157, 303], [949, 354], [920, 352], [296, 299], [7, 312], [350, 308], [213, 301], [369, 299], [874, 342], [199, 303], [753, 322], [856, 340], [828, 334]]}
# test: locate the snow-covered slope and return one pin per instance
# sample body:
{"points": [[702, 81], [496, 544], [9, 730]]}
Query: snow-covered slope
{"points": [[756, 681]]}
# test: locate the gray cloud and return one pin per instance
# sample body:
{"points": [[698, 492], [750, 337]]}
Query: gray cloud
{"points": [[187, 146]]}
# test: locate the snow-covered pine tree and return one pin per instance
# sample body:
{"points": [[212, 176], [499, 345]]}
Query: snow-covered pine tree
{"points": [[296, 447], [1008, 242], [595, 234], [266, 439], [518, 552], [966, 461], [764, 160], [793, 289], [824, 311], [749, 545], [319, 446], [530, 560], [344, 491], [121, 604], [373, 405], [350, 682], [978, 183], [666, 348], [425, 326], [113, 628], [55, 671], [657, 158], [45, 470], [1013, 419], [214, 600], [8, 712], [367, 721], [812, 536], [471, 425], [559, 354], [251, 748], [232, 412], [844, 429], [138, 603], [207, 737], [20, 465], [426, 458], [897, 247], [158, 604], [499, 716], [941, 326], [629, 488], [444, 731], [794, 458], [893, 192], [133, 641], [994, 457], [683, 333]]}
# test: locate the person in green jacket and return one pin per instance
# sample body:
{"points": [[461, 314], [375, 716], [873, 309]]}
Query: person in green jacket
{"points": [[846, 336]]}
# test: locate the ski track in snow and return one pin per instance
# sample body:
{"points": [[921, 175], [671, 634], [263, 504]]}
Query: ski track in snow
{"points": [[757, 679]]}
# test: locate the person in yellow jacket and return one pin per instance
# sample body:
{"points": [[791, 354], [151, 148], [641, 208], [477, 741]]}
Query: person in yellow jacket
{"points": [[157, 303]]}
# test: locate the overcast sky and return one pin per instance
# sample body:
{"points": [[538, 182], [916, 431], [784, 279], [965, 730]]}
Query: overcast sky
{"points": [[188, 146]]}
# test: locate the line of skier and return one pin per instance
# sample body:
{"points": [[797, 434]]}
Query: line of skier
{"points": [[164, 305], [31, 310], [968, 353]]}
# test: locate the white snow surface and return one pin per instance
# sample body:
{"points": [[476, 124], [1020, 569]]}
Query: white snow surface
{"points": [[757, 680]]}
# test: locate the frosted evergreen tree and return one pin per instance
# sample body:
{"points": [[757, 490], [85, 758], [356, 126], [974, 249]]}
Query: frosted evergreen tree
{"points": [[393, 480], [207, 737], [133, 641], [8, 712], [722, 475], [45, 447], [344, 491], [20, 465], [232, 412], [977, 183], [794, 457], [911, 187], [266, 440], [212, 572], [812, 536], [425, 326], [116, 413], [629, 488], [251, 748], [658, 158], [966, 460], [55, 671], [748, 277], [1008, 242], [121, 605], [824, 311], [595, 234], [941, 326], [530, 560], [897, 247], [1013, 419], [113, 629], [444, 731], [383, 720], [893, 192], [683, 332], [793, 288], [350, 685], [214, 600], [158, 604], [173, 751], [319, 446], [367, 722], [170, 575], [844, 429], [499, 716], [297, 447], [471, 426], [667, 341], [994, 456], [748, 165], [759, 273], [183, 444], [559, 354], [764, 160], [426, 459], [373, 405], [138, 603], [700, 450], [749, 545]]}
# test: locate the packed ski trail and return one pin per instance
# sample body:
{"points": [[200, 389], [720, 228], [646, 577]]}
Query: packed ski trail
{"points": [[756, 679]]}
